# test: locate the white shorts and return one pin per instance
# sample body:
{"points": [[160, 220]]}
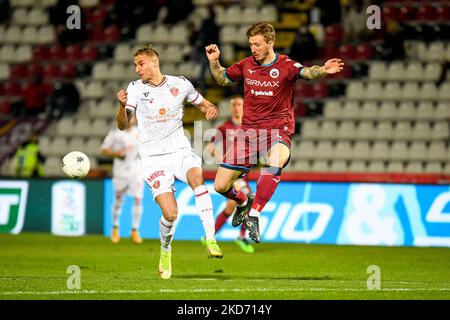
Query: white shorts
{"points": [[160, 171], [132, 186]]}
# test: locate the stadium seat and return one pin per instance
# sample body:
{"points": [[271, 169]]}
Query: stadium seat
{"points": [[433, 167], [324, 150], [328, 130], [72, 52], [332, 109], [41, 52], [342, 150], [363, 52], [356, 90], [414, 71], [395, 167], [111, 34], [444, 91], [89, 53], [338, 166], [387, 111], [305, 150], [377, 70], [398, 150], [376, 167], [374, 91], [346, 130], [396, 71], [406, 110], [417, 151], [365, 130], [357, 166], [319, 166], [302, 166], [428, 91], [369, 111], [402, 130], [391, 91], [442, 111], [425, 110], [361, 151], [437, 151], [440, 130], [432, 71], [347, 52], [414, 167]]}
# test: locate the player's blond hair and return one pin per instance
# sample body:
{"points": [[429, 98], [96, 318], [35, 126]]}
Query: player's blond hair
{"points": [[263, 28], [148, 50]]}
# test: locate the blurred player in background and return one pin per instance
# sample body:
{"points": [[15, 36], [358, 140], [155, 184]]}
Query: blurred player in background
{"points": [[217, 147], [268, 122], [157, 101], [127, 177]]}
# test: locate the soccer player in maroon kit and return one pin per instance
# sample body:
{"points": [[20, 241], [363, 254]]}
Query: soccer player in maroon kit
{"points": [[226, 135], [268, 122]]}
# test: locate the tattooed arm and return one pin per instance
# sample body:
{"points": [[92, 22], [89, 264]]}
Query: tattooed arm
{"points": [[318, 72], [218, 72]]}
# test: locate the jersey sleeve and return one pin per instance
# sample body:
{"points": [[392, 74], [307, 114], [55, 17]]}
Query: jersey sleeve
{"points": [[235, 71], [108, 142], [132, 98], [293, 69], [193, 96]]}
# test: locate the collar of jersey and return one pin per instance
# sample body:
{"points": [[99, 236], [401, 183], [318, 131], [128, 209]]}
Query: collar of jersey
{"points": [[158, 85], [269, 64]]}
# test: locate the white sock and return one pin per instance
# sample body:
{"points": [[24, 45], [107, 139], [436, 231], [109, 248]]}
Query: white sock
{"points": [[137, 214], [254, 213], [205, 210], [165, 228], [116, 210]]}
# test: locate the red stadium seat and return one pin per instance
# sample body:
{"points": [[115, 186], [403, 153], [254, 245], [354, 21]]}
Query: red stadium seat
{"points": [[407, 13], [89, 53], [68, 70], [18, 71], [5, 107], [35, 69], [303, 90], [320, 90], [73, 53], [51, 72], [112, 34], [57, 53], [390, 13], [96, 34], [11, 88], [300, 109], [333, 34], [363, 51], [41, 53], [99, 16], [330, 51], [347, 52], [443, 13], [426, 13]]}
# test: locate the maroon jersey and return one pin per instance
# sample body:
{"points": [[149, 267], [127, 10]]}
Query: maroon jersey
{"points": [[227, 132], [268, 92]]}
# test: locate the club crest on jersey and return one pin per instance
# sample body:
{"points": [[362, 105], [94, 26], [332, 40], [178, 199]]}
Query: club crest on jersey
{"points": [[146, 94], [156, 184], [274, 73], [174, 91]]}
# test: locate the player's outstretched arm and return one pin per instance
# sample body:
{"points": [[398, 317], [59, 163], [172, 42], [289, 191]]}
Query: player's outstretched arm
{"points": [[218, 72], [332, 66], [107, 152], [209, 109], [122, 116]]}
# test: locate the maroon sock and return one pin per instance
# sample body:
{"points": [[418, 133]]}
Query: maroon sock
{"points": [[220, 220], [267, 185], [242, 231], [238, 196]]}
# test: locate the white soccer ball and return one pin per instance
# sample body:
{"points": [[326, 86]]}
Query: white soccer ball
{"points": [[76, 164]]}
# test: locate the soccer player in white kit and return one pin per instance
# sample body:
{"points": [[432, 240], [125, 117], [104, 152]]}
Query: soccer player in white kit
{"points": [[166, 153], [127, 177]]}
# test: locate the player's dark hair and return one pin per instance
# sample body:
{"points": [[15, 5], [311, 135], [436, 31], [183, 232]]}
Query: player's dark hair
{"points": [[263, 28], [148, 50]]}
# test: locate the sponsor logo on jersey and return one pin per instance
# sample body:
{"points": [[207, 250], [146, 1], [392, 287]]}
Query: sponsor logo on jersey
{"points": [[156, 184], [174, 91], [258, 83], [162, 111], [251, 71], [155, 175], [274, 73], [261, 93], [146, 94]]}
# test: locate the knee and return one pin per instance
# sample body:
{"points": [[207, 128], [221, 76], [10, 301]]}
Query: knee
{"points": [[171, 214], [221, 187]]}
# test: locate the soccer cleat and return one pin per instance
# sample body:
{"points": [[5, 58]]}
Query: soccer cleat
{"points": [[213, 249], [135, 236], [240, 212], [115, 237], [165, 264], [252, 225], [245, 245]]}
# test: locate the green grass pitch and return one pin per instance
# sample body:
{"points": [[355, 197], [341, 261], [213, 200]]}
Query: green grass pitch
{"points": [[34, 266]]}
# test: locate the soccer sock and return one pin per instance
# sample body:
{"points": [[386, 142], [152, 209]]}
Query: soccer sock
{"points": [[137, 214], [116, 210], [165, 228], [242, 231], [267, 184], [238, 196], [221, 220], [205, 210]]}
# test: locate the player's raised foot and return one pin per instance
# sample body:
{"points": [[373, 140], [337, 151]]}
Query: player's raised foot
{"points": [[115, 237], [213, 249], [245, 245], [252, 225], [240, 213], [135, 237], [165, 264]]}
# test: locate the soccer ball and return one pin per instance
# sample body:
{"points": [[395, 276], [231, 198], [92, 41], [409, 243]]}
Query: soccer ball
{"points": [[76, 164]]}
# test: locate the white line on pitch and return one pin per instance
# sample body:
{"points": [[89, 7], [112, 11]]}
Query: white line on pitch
{"points": [[210, 290]]}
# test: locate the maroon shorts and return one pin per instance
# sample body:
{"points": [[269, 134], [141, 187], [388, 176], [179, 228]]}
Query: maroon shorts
{"points": [[251, 145]]}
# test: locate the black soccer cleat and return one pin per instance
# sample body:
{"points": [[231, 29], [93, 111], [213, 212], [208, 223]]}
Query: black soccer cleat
{"points": [[252, 225], [241, 212]]}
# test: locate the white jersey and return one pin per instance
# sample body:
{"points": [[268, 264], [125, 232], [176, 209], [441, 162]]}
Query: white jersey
{"points": [[159, 112], [118, 140]]}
